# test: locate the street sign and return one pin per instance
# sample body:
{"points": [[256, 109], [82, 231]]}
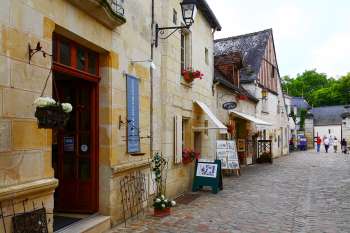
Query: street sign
{"points": [[229, 105]]}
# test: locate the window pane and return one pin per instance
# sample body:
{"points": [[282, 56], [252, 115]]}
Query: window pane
{"points": [[182, 51], [84, 169], [64, 53], [80, 59], [92, 63], [68, 165]]}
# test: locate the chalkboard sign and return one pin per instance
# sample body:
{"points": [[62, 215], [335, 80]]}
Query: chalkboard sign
{"points": [[208, 174]]}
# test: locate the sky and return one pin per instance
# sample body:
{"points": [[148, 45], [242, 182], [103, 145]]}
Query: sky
{"points": [[308, 34]]}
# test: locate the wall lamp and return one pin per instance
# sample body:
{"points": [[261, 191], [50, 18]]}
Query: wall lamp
{"points": [[189, 11], [150, 61]]}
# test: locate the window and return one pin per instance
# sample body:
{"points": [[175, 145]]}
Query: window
{"points": [[185, 49], [206, 56], [174, 16], [74, 56], [133, 130]]}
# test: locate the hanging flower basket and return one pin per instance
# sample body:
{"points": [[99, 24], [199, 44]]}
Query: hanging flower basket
{"points": [[51, 115], [189, 75]]}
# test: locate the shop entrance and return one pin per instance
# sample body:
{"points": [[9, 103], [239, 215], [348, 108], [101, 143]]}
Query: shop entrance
{"points": [[75, 147]]}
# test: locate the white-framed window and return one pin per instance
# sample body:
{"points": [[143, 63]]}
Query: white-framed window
{"points": [[185, 49]]}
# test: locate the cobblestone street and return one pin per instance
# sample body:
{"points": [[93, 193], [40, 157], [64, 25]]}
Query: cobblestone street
{"points": [[303, 192]]}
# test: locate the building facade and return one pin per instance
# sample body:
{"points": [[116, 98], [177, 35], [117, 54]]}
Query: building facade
{"points": [[259, 75], [97, 57]]}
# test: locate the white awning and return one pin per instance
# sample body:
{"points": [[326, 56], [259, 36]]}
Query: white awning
{"points": [[257, 121], [217, 122]]}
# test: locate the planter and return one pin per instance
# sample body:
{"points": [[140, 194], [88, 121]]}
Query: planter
{"points": [[51, 117], [264, 158], [162, 212], [186, 160], [187, 77]]}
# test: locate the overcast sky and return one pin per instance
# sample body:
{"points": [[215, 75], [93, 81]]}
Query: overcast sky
{"points": [[308, 34]]}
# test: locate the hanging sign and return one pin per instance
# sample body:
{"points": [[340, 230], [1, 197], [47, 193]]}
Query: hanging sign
{"points": [[229, 105], [208, 174]]}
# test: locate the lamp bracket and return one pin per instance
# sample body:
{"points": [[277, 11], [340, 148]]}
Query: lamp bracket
{"points": [[33, 51], [161, 31]]}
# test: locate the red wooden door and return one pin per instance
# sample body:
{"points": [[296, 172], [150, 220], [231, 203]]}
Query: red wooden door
{"points": [[77, 147]]}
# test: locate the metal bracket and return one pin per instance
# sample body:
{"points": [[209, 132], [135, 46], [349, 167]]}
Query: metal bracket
{"points": [[33, 51], [161, 31]]}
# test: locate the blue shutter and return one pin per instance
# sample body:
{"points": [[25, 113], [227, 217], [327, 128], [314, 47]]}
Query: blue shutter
{"points": [[133, 114]]}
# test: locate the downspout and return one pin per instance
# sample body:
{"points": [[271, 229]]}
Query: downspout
{"points": [[151, 77]]}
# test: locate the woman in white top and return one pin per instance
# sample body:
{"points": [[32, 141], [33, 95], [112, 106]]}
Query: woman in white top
{"points": [[335, 144]]}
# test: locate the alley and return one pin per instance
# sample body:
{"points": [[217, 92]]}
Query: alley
{"points": [[302, 192]]}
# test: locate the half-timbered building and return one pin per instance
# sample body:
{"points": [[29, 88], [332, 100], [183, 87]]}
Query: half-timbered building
{"points": [[258, 74]]}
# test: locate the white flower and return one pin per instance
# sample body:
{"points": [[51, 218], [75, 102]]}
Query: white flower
{"points": [[44, 101], [166, 200], [157, 200], [163, 205], [173, 203], [67, 107], [162, 196]]}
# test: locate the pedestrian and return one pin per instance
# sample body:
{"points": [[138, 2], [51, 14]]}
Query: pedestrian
{"points": [[326, 143], [335, 144], [343, 144], [318, 143]]}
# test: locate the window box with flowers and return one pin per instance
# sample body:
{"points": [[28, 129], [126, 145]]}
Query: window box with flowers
{"points": [[51, 114], [189, 75], [189, 155]]}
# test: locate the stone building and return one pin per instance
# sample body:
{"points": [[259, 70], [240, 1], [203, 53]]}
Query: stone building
{"points": [[123, 110], [259, 75]]}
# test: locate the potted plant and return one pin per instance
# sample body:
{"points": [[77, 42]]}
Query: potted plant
{"points": [[161, 204], [189, 74], [188, 155], [51, 114]]}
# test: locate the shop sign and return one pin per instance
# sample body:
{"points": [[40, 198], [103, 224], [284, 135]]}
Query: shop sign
{"points": [[226, 152], [208, 174], [229, 105], [68, 144]]}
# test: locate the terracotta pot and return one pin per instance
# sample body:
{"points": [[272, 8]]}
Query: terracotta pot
{"points": [[162, 213], [187, 77], [186, 160]]}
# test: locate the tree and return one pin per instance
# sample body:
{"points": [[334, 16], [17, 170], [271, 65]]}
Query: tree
{"points": [[318, 89]]}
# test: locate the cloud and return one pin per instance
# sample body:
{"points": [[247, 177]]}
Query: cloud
{"points": [[332, 57]]}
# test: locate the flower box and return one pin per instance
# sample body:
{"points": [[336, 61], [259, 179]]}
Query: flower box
{"points": [[50, 117], [189, 155], [189, 75], [162, 212]]}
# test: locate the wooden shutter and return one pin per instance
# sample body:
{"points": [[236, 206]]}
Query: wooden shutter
{"points": [[133, 114], [177, 139]]}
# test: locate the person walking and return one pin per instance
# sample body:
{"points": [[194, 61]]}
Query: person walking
{"points": [[343, 144], [318, 143], [326, 143], [335, 144]]}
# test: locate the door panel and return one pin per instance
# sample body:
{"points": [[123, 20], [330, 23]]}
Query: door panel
{"points": [[77, 153]]}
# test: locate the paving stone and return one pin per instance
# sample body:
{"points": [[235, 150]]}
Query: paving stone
{"points": [[302, 192]]}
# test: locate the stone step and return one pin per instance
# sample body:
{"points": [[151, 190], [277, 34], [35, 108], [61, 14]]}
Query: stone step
{"points": [[93, 224]]}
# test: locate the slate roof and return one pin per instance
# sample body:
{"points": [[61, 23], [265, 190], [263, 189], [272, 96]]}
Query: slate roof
{"points": [[300, 103], [252, 46], [330, 115], [219, 77], [209, 15]]}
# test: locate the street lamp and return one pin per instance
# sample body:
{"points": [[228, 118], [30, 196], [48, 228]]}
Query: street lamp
{"points": [[189, 11]]}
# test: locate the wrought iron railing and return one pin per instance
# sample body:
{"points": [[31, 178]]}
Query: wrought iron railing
{"points": [[115, 6]]}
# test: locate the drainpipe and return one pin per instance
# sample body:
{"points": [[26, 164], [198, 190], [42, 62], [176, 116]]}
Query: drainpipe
{"points": [[151, 77]]}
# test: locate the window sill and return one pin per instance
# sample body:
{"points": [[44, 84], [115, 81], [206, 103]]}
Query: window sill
{"points": [[186, 84], [137, 153]]}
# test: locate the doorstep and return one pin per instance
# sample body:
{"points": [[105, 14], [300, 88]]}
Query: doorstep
{"points": [[94, 224]]}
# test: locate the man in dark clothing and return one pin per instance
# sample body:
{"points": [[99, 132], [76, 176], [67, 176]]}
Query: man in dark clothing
{"points": [[343, 144]]}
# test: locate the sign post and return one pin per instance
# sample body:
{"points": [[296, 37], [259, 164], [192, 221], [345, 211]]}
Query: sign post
{"points": [[208, 174]]}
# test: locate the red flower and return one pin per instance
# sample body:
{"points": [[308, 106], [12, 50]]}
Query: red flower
{"points": [[189, 75]]}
